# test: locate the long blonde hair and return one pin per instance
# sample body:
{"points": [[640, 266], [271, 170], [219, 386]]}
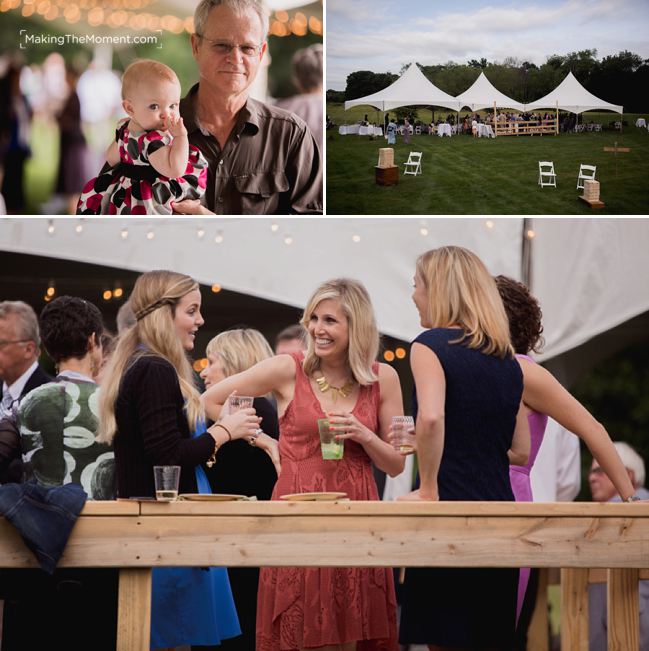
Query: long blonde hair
{"points": [[239, 349], [363, 333], [153, 300], [462, 292]]}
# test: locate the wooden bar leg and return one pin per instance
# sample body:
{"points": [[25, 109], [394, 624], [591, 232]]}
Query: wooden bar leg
{"points": [[623, 610], [574, 609], [134, 610], [538, 638]]}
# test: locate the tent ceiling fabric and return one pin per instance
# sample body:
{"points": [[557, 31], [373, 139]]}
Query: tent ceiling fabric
{"points": [[411, 89], [571, 96], [254, 260], [590, 275], [482, 94]]}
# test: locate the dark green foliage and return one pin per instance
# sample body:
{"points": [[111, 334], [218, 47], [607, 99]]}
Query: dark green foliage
{"points": [[616, 392]]}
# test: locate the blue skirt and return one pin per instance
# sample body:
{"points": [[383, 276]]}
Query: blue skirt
{"points": [[192, 605]]}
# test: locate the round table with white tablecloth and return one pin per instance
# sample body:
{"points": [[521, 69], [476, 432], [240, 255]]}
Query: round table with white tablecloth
{"points": [[444, 130], [641, 122], [485, 130]]}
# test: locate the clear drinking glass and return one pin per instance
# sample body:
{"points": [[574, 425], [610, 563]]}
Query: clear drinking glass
{"points": [[167, 479], [403, 434], [235, 403], [331, 449]]}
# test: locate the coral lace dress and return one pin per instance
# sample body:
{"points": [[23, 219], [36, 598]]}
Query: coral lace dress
{"points": [[309, 607]]}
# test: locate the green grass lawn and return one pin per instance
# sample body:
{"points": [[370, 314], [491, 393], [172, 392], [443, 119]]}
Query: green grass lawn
{"points": [[466, 176]]}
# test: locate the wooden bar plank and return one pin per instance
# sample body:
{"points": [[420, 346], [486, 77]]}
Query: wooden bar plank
{"points": [[622, 606], [250, 541], [574, 609], [134, 610], [353, 509]]}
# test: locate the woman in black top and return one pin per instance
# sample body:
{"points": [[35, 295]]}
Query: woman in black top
{"points": [[470, 424], [241, 468], [148, 409]]}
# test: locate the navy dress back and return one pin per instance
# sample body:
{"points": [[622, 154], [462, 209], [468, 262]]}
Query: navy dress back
{"points": [[483, 393], [468, 607]]}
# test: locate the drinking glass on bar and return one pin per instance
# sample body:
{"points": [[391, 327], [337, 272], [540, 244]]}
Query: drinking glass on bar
{"points": [[166, 479]]}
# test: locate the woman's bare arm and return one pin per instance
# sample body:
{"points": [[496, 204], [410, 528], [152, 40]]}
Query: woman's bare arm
{"points": [[276, 375], [544, 394]]}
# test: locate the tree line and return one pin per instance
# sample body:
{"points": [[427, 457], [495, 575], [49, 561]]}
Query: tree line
{"points": [[622, 78]]}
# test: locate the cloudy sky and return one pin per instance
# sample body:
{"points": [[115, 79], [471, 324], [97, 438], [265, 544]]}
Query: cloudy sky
{"points": [[381, 35]]}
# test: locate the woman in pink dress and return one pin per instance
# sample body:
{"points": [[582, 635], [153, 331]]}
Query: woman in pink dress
{"points": [[329, 609], [544, 396]]}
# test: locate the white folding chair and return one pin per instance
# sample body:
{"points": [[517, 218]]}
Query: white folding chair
{"points": [[546, 174], [413, 164], [417, 131], [586, 173]]}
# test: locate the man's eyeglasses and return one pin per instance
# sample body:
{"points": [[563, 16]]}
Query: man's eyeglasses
{"points": [[596, 471], [7, 342], [223, 48]]}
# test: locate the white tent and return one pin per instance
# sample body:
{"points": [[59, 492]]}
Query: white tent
{"points": [[571, 96], [482, 94], [411, 89]]}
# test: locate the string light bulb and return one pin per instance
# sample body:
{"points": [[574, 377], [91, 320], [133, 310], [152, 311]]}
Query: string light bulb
{"points": [[200, 233], [489, 223], [388, 356], [400, 353], [274, 227], [530, 234], [288, 240], [51, 289], [150, 234], [124, 233], [216, 288], [356, 238], [218, 238], [51, 229]]}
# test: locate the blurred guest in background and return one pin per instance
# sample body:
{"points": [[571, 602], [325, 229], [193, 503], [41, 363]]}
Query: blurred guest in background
{"points": [[292, 339], [307, 77], [15, 123], [73, 150]]}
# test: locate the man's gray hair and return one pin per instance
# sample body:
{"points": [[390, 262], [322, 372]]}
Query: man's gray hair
{"points": [[238, 6], [631, 460], [26, 320]]}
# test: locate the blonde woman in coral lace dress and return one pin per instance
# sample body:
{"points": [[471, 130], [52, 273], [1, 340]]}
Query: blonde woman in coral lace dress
{"points": [[328, 609]]}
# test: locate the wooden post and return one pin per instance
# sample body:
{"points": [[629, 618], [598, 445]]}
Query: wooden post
{"points": [[574, 609], [622, 607], [538, 638], [134, 610]]}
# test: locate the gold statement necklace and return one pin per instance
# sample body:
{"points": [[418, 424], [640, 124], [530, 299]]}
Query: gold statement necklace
{"points": [[343, 391]]}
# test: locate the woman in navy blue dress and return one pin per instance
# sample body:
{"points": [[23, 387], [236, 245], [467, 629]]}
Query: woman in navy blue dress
{"points": [[470, 425]]}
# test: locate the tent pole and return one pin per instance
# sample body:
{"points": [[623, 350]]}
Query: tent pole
{"points": [[495, 120], [556, 124]]}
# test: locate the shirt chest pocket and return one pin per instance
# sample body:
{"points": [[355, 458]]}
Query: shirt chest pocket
{"points": [[259, 192]]}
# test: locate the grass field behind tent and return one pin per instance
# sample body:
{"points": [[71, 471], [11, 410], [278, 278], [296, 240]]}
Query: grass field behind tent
{"points": [[464, 175]]}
